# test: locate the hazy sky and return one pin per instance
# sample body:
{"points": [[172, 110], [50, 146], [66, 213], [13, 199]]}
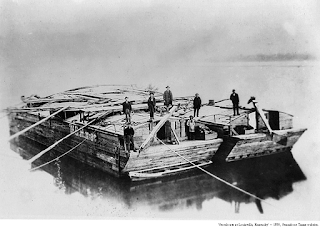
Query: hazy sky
{"points": [[56, 43]]}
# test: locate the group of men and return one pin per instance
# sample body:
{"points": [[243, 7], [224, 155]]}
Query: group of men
{"points": [[168, 98]]}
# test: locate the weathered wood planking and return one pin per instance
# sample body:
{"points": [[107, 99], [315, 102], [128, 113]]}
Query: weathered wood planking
{"points": [[255, 145], [165, 156], [285, 121], [242, 120], [99, 154]]}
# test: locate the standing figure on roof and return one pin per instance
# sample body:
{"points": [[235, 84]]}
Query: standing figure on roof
{"points": [[196, 105], [235, 101], [126, 108], [152, 105], [167, 97]]}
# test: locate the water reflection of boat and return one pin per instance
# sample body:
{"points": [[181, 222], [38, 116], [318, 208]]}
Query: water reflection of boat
{"points": [[266, 177]]}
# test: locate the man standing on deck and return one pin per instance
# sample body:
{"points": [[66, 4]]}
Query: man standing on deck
{"points": [[126, 107], [196, 105], [167, 97], [235, 101], [128, 137], [192, 128], [152, 105]]}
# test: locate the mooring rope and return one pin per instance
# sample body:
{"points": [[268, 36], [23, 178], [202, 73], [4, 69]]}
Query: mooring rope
{"points": [[38, 167], [214, 176]]}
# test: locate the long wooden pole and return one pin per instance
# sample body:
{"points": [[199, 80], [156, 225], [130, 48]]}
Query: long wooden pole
{"points": [[56, 143], [36, 124], [157, 127], [262, 116]]}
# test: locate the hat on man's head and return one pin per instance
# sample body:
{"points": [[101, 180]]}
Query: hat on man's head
{"points": [[167, 87], [151, 93]]}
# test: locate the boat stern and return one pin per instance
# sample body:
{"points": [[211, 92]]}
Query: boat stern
{"points": [[262, 144]]}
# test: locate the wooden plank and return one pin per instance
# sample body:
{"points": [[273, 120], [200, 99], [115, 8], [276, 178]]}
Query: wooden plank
{"points": [[145, 175], [36, 124], [56, 143], [175, 136], [262, 116], [160, 155], [157, 127], [233, 131]]}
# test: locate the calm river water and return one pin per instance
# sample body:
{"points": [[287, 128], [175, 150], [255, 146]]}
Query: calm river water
{"points": [[288, 182]]}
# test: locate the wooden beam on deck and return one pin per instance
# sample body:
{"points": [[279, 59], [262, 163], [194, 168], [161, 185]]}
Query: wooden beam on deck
{"points": [[157, 127]]}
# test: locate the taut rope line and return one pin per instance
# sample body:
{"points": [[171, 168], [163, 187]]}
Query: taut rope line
{"points": [[214, 176], [38, 167]]}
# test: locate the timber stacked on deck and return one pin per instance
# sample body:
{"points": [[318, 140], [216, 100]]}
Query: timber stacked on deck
{"points": [[101, 142]]}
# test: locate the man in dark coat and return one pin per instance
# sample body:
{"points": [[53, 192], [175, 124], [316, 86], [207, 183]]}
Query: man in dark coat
{"points": [[152, 105], [235, 101], [167, 97], [126, 108], [196, 105], [128, 137]]}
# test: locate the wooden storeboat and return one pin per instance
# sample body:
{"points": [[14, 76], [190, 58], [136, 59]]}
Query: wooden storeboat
{"points": [[88, 124], [91, 126], [273, 131]]}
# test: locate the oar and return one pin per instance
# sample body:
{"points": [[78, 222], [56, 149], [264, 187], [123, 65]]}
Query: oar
{"points": [[36, 124], [56, 143]]}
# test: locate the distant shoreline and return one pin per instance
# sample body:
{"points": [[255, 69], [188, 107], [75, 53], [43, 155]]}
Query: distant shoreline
{"points": [[273, 57]]}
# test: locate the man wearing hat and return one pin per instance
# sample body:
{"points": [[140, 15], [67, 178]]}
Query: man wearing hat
{"points": [[126, 108], [128, 137], [192, 128], [196, 105], [152, 105], [167, 97], [235, 101]]}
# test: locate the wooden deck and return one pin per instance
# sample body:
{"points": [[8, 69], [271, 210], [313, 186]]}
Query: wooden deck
{"points": [[168, 170], [160, 155]]}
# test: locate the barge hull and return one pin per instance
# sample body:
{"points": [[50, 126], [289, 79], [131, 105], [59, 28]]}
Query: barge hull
{"points": [[101, 153], [261, 144]]}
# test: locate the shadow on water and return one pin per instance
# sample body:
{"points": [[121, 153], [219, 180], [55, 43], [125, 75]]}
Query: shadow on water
{"points": [[266, 177]]}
